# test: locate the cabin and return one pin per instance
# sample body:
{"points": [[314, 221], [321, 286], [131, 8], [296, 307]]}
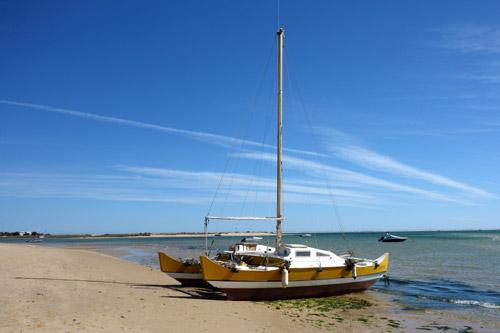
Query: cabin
{"points": [[250, 247], [304, 256]]}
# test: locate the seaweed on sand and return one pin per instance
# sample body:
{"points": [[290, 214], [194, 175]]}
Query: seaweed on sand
{"points": [[321, 312], [323, 304]]}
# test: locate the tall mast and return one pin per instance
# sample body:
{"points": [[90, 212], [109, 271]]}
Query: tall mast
{"points": [[279, 175]]}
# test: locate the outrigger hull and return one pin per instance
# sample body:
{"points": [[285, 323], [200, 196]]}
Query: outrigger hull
{"points": [[187, 273], [189, 279], [302, 282]]}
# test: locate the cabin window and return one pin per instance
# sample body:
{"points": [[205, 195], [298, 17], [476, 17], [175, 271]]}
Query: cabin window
{"points": [[322, 254], [302, 253], [284, 252], [251, 247]]}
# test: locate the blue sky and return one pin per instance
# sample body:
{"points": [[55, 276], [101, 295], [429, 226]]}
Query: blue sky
{"points": [[122, 116]]}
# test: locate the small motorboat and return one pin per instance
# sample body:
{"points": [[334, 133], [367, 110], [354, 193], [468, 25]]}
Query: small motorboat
{"points": [[253, 238], [392, 238]]}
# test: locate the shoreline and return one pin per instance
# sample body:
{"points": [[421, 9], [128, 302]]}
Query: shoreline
{"points": [[145, 235], [47, 289]]}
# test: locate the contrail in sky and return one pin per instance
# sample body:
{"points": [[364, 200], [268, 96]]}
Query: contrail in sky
{"points": [[216, 139]]}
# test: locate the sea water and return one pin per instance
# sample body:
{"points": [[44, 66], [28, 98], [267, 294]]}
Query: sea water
{"points": [[434, 269]]}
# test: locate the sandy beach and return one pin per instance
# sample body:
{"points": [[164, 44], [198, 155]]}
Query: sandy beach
{"points": [[47, 289], [64, 290]]}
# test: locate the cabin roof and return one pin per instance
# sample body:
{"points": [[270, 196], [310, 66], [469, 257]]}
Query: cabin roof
{"points": [[296, 246]]}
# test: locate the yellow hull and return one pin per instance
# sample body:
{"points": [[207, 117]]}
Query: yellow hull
{"points": [[254, 284], [212, 271], [188, 274]]}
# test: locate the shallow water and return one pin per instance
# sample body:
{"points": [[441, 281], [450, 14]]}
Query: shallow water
{"points": [[431, 270]]}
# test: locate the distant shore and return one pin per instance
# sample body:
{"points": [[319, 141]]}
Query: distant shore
{"points": [[175, 235]]}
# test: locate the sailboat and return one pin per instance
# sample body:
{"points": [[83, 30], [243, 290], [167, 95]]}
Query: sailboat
{"points": [[290, 270]]}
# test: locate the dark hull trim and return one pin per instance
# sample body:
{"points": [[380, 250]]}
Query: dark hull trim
{"points": [[193, 282], [393, 240], [262, 294]]}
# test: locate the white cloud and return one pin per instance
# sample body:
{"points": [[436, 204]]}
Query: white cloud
{"points": [[344, 176], [488, 78], [145, 184], [364, 157], [480, 40], [215, 139], [347, 184], [469, 38], [238, 181]]}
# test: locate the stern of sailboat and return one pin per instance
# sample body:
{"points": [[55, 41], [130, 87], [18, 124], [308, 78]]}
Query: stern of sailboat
{"points": [[187, 273]]}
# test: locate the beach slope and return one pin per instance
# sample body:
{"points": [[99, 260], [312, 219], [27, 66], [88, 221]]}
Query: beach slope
{"points": [[47, 289]]}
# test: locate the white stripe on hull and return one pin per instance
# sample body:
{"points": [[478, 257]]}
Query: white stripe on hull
{"points": [[194, 276], [291, 284]]}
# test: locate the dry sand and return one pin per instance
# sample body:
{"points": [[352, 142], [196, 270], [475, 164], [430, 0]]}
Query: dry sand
{"points": [[44, 289], [62, 290]]}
